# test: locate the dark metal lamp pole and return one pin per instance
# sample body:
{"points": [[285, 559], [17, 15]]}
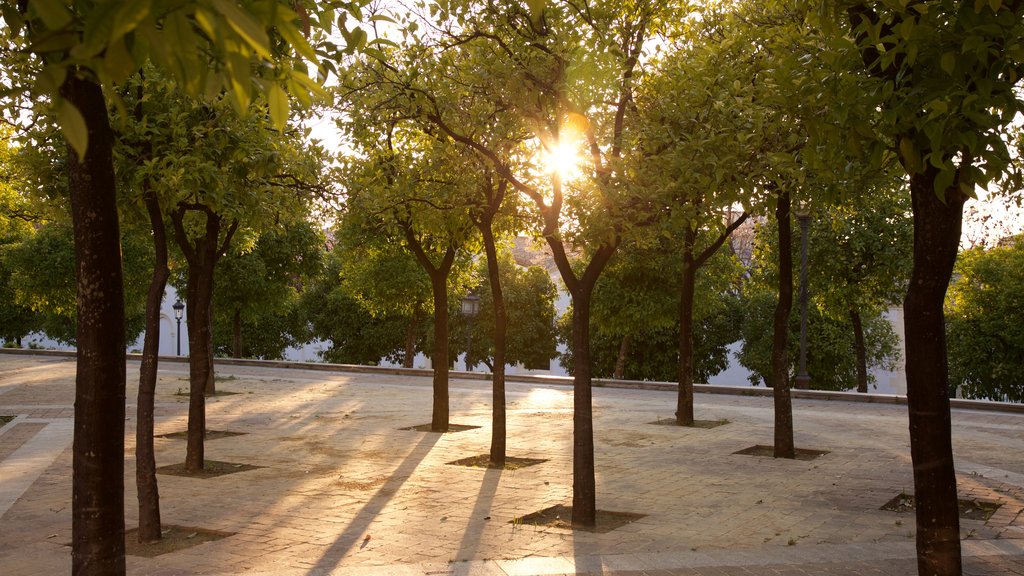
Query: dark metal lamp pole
{"points": [[179, 310]]}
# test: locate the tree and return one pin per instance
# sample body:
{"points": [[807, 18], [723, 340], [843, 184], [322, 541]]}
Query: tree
{"points": [[936, 84], [409, 191], [222, 173], [569, 114], [984, 323], [69, 56], [383, 280], [860, 254], [636, 314]]}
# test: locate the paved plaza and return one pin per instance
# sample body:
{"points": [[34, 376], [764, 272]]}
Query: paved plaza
{"points": [[342, 489]]}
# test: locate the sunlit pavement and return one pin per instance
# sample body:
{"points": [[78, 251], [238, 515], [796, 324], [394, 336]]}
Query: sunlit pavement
{"points": [[342, 490]]}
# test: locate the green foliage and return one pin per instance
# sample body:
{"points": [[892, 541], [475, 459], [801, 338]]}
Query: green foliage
{"points": [[530, 296], [985, 323], [638, 298], [653, 354], [942, 87], [42, 275], [263, 287], [209, 48], [354, 333], [845, 249]]}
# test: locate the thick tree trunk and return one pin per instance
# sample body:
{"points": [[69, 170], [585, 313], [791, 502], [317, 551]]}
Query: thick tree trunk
{"points": [[498, 416], [439, 359], [684, 403], [584, 489], [145, 458], [236, 334], [937, 227], [620, 360], [860, 350], [97, 493], [784, 447]]}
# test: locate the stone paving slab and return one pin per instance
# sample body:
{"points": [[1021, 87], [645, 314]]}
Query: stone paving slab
{"points": [[343, 491]]}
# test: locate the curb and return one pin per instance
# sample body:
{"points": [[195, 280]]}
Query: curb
{"points": [[824, 395]]}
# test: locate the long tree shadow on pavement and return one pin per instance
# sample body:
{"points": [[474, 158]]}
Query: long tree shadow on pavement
{"points": [[355, 533]]}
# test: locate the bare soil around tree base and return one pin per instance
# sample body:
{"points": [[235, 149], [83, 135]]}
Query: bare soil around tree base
{"points": [[172, 539], [211, 469], [560, 516]]}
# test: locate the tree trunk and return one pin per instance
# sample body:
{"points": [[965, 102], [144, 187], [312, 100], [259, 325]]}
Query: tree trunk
{"points": [[620, 360], [200, 361], [498, 416], [684, 404], [439, 287], [784, 447], [236, 333], [860, 350], [97, 493], [439, 358], [691, 264], [202, 258], [937, 227], [145, 458], [584, 489]]}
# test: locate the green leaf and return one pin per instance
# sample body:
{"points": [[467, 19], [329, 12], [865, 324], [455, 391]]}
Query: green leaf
{"points": [[911, 157], [298, 41], [55, 42], [53, 13], [245, 26], [278, 101], [129, 16], [50, 79], [948, 63], [942, 181], [118, 62], [73, 125]]}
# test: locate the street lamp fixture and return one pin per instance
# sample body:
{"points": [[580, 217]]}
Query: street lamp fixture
{"points": [[803, 215], [179, 311], [470, 308]]}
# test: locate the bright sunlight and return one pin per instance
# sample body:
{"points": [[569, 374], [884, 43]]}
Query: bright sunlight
{"points": [[562, 154]]}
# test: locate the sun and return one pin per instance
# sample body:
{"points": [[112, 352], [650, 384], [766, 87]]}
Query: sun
{"points": [[563, 158]]}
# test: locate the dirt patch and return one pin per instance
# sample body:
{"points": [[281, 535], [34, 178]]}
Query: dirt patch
{"points": [[5, 419], [969, 509], [484, 461], [173, 538], [561, 517], [705, 424], [210, 434], [452, 428], [214, 395], [211, 469], [805, 454]]}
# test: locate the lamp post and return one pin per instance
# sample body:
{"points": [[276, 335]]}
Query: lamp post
{"points": [[470, 308], [803, 379], [179, 310]]}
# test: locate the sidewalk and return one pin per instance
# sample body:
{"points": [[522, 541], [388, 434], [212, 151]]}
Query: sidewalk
{"points": [[341, 490]]}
